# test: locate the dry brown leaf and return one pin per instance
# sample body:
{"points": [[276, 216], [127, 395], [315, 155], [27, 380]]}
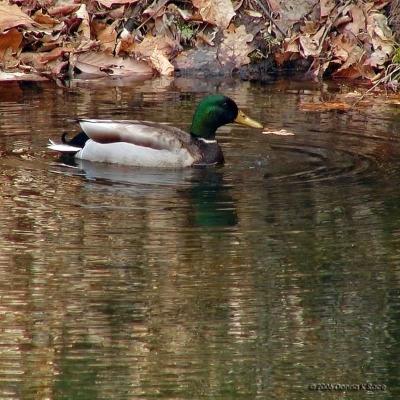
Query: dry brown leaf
{"points": [[157, 49], [156, 9], [353, 57], [185, 14], [381, 35], [358, 23], [53, 54], [310, 27], [106, 35], [44, 19], [274, 6], [161, 63], [216, 12], [325, 106], [49, 64], [310, 44], [62, 10], [235, 47], [11, 16], [342, 46], [290, 51], [110, 3], [9, 42], [207, 38], [116, 13], [326, 7], [164, 44], [84, 27], [355, 71], [344, 19], [101, 64]]}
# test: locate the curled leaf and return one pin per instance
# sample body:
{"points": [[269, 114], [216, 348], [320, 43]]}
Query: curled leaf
{"points": [[84, 27]]}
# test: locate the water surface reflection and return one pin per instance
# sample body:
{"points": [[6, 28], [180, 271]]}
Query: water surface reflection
{"points": [[249, 281]]}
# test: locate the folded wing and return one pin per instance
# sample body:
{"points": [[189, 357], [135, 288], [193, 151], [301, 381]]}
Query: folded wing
{"points": [[145, 134]]}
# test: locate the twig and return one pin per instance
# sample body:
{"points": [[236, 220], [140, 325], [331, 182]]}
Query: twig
{"points": [[160, 6], [386, 78], [267, 13]]}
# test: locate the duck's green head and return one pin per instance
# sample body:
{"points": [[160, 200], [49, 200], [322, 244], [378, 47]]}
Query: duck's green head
{"points": [[217, 110]]}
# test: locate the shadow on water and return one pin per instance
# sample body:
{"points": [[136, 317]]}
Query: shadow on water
{"points": [[250, 281]]}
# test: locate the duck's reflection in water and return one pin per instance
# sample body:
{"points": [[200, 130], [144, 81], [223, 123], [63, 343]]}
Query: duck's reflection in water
{"points": [[203, 190]]}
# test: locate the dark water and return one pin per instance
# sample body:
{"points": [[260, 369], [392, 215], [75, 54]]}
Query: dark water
{"points": [[251, 281]]}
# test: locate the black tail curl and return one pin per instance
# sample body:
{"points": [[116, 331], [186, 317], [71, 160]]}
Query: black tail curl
{"points": [[78, 140]]}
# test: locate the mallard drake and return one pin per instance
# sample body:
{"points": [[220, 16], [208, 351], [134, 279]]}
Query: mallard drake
{"points": [[149, 144]]}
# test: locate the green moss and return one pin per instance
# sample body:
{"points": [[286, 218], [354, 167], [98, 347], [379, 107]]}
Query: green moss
{"points": [[396, 56], [187, 32]]}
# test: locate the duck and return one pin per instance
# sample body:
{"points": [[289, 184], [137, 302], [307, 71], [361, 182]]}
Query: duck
{"points": [[150, 144]]}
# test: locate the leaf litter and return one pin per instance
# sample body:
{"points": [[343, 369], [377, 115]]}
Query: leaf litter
{"points": [[55, 39]]}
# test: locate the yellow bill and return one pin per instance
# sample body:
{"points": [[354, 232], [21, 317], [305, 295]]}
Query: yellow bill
{"points": [[243, 119]]}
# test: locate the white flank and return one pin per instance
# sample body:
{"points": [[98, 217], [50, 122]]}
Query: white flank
{"points": [[63, 148], [130, 154]]}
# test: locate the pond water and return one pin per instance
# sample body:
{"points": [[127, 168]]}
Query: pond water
{"points": [[255, 280]]}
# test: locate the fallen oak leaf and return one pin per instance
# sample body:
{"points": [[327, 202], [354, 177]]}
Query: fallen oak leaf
{"points": [[53, 54], [235, 47], [216, 12], [157, 50]]}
